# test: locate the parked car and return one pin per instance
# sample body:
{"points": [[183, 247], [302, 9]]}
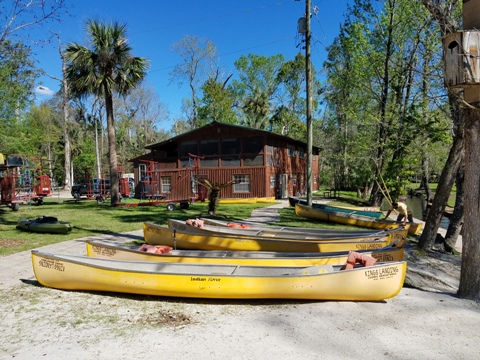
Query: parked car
{"points": [[94, 187]]}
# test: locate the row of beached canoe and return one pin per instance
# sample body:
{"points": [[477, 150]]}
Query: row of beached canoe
{"points": [[351, 217], [356, 210], [205, 262]]}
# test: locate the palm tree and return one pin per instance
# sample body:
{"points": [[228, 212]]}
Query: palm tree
{"points": [[214, 195], [105, 68], [256, 109]]}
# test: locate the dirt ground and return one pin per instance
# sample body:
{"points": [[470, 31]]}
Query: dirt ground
{"points": [[426, 320]]}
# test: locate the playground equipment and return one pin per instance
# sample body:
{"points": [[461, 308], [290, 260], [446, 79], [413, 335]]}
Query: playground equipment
{"points": [[22, 180]]}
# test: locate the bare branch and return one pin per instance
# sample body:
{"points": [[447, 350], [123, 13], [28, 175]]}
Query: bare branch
{"points": [[20, 15]]}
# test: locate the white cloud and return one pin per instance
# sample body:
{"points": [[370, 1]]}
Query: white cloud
{"points": [[43, 90]]}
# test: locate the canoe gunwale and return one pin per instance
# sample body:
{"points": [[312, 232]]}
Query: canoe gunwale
{"points": [[212, 255]]}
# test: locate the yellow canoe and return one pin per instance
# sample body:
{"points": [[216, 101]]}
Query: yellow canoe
{"points": [[69, 272], [352, 219], [395, 234], [359, 210], [109, 250], [362, 208], [291, 229], [160, 235]]}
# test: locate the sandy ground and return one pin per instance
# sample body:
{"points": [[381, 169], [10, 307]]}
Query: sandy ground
{"points": [[44, 323]]}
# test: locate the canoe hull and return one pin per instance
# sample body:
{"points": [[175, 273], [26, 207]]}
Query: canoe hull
{"points": [[378, 282], [160, 235], [102, 249], [354, 220]]}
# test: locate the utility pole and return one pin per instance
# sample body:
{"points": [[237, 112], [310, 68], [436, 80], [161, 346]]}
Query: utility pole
{"points": [[308, 69]]}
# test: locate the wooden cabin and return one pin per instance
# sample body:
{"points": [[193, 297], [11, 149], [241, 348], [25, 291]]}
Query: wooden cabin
{"points": [[265, 164]]}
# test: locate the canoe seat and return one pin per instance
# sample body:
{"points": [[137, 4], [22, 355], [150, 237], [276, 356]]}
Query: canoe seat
{"points": [[357, 258], [46, 219]]}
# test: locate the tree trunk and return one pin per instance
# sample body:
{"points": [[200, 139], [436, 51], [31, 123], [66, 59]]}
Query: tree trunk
{"points": [[68, 180], [470, 270], [445, 183], [456, 220], [425, 177], [112, 149], [377, 198], [213, 201], [97, 151]]}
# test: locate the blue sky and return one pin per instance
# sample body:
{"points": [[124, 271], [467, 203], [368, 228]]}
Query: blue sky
{"points": [[236, 27]]}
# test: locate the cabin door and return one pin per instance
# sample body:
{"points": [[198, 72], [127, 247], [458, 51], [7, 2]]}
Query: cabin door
{"points": [[283, 183]]}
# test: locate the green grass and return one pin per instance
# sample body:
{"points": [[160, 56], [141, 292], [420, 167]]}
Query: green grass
{"points": [[89, 218]]}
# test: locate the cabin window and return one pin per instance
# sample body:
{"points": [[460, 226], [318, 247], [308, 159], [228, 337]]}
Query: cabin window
{"points": [[230, 146], [243, 185], [209, 162], [166, 183], [272, 160], [187, 147], [253, 160], [185, 163], [273, 181], [230, 161], [142, 168], [271, 149], [301, 153], [253, 145], [209, 147], [291, 150]]}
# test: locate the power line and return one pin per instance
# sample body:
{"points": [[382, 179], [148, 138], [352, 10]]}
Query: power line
{"points": [[235, 51]]}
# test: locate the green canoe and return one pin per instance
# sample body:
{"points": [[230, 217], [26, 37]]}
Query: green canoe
{"points": [[45, 224]]}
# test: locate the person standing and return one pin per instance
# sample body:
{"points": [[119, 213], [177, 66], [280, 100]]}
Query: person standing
{"points": [[404, 212]]}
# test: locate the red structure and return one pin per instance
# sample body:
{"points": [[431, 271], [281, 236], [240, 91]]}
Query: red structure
{"points": [[155, 190], [265, 164], [22, 180]]}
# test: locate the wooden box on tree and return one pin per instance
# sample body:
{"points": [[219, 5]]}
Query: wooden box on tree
{"points": [[462, 59]]}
